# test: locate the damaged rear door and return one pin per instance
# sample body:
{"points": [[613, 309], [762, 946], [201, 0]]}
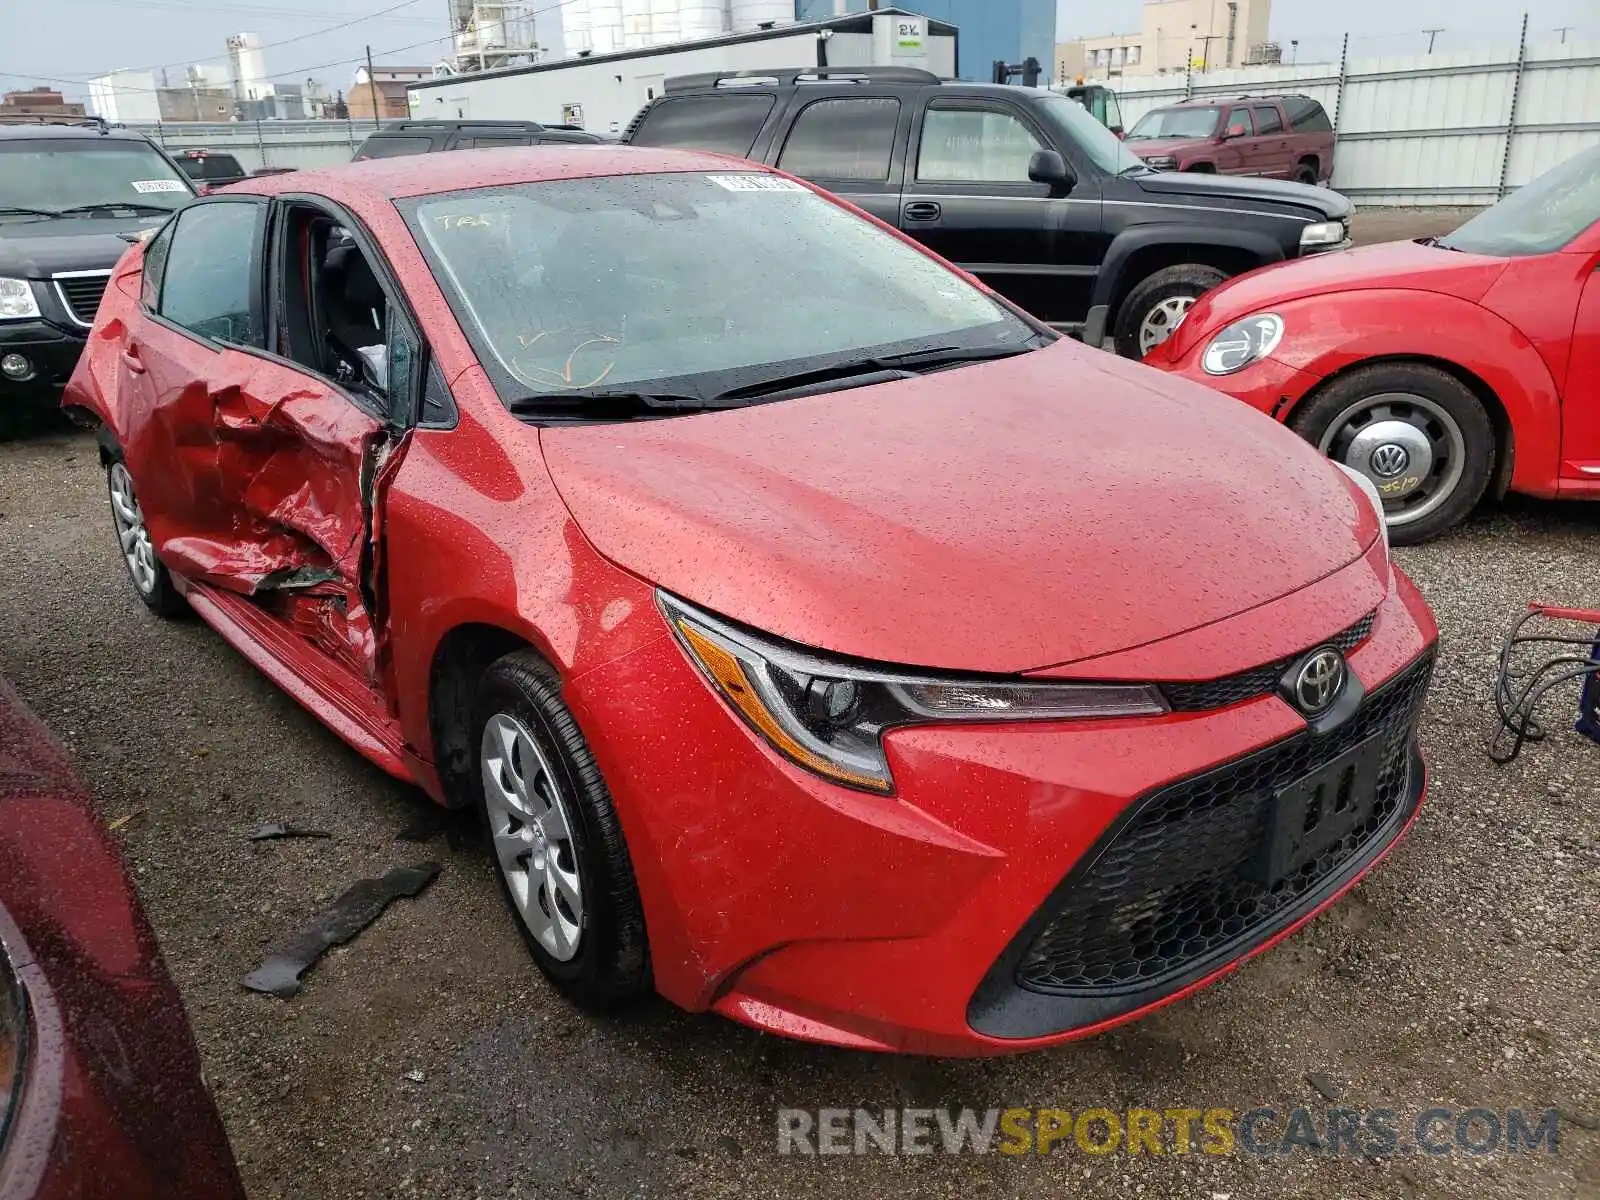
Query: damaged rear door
{"points": [[256, 468]]}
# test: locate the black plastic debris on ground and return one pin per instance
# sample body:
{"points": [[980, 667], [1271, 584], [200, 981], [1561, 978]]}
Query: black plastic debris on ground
{"points": [[273, 832], [362, 903]]}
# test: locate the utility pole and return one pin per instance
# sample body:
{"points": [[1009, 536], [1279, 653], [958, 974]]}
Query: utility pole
{"points": [[1432, 33], [1563, 30], [372, 88], [1294, 51]]}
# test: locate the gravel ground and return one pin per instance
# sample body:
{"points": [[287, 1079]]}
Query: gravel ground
{"points": [[428, 1058]]}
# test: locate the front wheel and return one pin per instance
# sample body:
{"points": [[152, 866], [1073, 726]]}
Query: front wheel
{"points": [[150, 579], [1158, 303], [1420, 434], [563, 863]]}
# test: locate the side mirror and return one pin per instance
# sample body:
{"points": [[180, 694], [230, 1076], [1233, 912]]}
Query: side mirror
{"points": [[1234, 131], [1047, 166], [1117, 129]]}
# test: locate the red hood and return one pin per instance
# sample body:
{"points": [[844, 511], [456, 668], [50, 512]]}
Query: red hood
{"points": [[1000, 517], [1148, 147], [1387, 265]]}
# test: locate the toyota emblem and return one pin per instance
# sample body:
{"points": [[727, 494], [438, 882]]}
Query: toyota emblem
{"points": [[1319, 680]]}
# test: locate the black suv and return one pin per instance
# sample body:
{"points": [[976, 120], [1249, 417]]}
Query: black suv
{"points": [[1020, 186], [72, 197], [210, 169], [400, 138]]}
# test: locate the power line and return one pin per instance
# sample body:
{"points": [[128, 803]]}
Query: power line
{"points": [[283, 42]]}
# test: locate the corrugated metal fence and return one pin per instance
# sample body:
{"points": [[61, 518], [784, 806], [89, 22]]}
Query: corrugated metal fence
{"points": [[1460, 128], [257, 144]]}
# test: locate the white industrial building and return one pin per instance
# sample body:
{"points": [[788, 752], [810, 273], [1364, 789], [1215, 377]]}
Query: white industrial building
{"points": [[619, 54]]}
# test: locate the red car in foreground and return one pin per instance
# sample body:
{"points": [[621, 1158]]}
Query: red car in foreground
{"points": [[1440, 369], [100, 1088], [825, 642]]}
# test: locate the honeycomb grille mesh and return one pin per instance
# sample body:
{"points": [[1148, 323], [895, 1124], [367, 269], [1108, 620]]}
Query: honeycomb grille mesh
{"points": [[1176, 884], [1258, 681]]}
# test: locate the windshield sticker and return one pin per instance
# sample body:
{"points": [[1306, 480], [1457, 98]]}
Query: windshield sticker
{"points": [[755, 183], [145, 186]]}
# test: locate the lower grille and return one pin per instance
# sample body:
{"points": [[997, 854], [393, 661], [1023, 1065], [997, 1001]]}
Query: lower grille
{"points": [[1180, 884], [82, 294]]}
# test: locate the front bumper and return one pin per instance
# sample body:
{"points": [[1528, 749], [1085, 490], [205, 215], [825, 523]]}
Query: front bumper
{"points": [[894, 923], [51, 349]]}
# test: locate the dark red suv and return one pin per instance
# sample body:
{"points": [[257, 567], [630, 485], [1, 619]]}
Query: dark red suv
{"points": [[1280, 137]]}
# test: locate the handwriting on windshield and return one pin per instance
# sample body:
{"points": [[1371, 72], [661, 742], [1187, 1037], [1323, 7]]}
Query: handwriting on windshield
{"points": [[568, 377]]}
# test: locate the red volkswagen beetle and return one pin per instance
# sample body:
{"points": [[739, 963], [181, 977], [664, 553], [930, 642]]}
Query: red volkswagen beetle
{"points": [[1440, 369], [100, 1090], [825, 642]]}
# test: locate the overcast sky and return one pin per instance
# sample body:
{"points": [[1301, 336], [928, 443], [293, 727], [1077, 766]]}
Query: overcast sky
{"points": [[63, 42]]}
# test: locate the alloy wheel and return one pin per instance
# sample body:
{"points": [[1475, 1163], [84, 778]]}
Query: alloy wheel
{"points": [[531, 824], [1410, 447], [1162, 320], [132, 536]]}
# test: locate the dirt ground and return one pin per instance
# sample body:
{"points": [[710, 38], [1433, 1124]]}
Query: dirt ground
{"points": [[429, 1059]]}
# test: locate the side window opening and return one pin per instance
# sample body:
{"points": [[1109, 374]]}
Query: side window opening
{"points": [[1267, 120], [336, 317]]}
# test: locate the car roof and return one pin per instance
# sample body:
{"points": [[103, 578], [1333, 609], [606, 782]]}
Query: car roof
{"points": [[85, 132], [1242, 98], [428, 174]]}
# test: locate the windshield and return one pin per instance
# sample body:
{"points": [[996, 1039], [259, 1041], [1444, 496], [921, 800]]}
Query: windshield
{"points": [[1099, 144], [685, 282], [1175, 123], [1539, 217], [50, 175]]}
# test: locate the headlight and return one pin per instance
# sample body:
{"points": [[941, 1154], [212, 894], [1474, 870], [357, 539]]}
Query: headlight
{"points": [[1370, 490], [13, 1039], [1323, 233], [1242, 343], [16, 299], [829, 717], [1161, 162]]}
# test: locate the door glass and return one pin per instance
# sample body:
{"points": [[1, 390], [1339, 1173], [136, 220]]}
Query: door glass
{"points": [[962, 145], [212, 284], [1268, 121], [842, 139], [1240, 117], [155, 261], [393, 147], [725, 124]]}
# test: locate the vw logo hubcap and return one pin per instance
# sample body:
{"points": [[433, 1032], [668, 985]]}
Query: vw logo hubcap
{"points": [[1319, 681], [1389, 459]]}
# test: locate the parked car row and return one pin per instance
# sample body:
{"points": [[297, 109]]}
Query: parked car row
{"points": [[1020, 186]]}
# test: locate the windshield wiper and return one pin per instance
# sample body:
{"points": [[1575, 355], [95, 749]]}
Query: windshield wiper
{"points": [[15, 210], [589, 405], [865, 372], [105, 205]]}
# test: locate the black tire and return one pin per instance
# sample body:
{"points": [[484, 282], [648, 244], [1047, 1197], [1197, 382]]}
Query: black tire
{"points": [[1314, 418], [1185, 279], [611, 966], [1306, 173], [159, 594]]}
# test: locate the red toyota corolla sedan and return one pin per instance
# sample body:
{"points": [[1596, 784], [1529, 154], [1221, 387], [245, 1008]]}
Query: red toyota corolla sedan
{"points": [[825, 642], [1440, 369], [100, 1090]]}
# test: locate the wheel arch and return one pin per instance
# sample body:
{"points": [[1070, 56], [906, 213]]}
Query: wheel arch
{"points": [[1143, 250], [1479, 348], [459, 661], [1504, 430]]}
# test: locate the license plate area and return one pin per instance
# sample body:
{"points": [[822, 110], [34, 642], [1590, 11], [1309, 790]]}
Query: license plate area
{"points": [[1319, 810]]}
